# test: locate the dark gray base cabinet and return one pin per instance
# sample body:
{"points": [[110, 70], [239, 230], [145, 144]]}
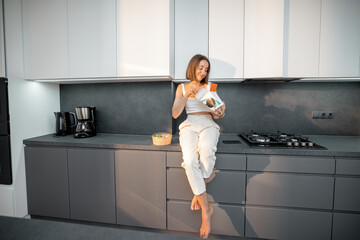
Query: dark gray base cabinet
{"points": [[278, 223], [226, 219], [141, 188], [47, 181], [72, 183], [92, 185], [290, 190], [226, 193], [346, 223], [259, 196], [346, 226]]}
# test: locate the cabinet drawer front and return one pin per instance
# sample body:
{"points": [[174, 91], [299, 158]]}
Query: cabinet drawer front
{"points": [[173, 159], [350, 166], [226, 219], [347, 194], [346, 226], [290, 190], [223, 161], [92, 185], [301, 164], [226, 187], [287, 224]]}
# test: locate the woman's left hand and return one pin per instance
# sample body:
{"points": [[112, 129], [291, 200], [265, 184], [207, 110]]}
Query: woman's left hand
{"points": [[219, 112]]}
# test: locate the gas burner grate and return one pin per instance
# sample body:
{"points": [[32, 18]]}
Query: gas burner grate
{"points": [[279, 139]]}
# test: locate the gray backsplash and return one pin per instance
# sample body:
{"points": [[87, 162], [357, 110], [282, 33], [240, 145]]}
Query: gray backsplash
{"points": [[145, 108], [133, 108]]}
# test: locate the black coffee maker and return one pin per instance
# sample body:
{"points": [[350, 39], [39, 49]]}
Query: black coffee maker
{"points": [[85, 122], [63, 123]]}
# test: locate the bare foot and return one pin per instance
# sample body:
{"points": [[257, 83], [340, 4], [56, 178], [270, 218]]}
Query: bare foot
{"points": [[206, 223], [195, 204]]}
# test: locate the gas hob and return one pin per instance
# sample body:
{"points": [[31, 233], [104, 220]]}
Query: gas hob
{"points": [[279, 140]]}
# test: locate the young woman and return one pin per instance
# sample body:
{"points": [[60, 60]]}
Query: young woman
{"points": [[199, 136]]}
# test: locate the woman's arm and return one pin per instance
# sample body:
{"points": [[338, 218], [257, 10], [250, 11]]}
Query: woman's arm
{"points": [[179, 102]]}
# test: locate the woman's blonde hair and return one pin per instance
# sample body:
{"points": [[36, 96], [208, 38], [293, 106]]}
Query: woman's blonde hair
{"points": [[193, 65]]}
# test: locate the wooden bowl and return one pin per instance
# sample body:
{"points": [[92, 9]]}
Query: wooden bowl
{"points": [[161, 138]]}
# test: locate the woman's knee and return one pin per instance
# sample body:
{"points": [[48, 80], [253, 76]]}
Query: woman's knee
{"points": [[207, 151], [190, 164]]}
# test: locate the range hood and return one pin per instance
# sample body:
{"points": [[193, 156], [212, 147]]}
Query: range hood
{"points": [[270, 80]]}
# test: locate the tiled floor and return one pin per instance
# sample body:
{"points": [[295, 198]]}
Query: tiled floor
{"points": [[41, 229]]}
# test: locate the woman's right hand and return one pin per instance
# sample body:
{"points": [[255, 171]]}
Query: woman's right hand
{"points": [[192, 90]]}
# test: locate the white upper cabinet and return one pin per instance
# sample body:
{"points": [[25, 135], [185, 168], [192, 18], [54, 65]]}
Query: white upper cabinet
{"points": [[263, 38], [340, 38], [155, 39], [69, 38], [226, 38], [302, 38], [45, 39], [191, 33], [92, 38], [145, 39]]}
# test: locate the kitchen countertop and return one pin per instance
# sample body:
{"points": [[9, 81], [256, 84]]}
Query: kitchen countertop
{"points": [[346, 146]]}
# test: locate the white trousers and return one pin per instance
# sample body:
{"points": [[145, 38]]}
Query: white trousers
{"points": [[199, 136]]}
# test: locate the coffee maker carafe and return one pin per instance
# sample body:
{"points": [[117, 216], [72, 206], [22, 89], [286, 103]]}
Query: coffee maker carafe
{"points": [[86, 122], [63, 123]]}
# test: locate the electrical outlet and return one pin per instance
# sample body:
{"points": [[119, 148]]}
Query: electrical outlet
{"points": [[322, 114], [330, 114]]}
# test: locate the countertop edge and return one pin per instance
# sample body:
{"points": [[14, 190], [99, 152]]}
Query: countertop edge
{"points": [[144, 142]]}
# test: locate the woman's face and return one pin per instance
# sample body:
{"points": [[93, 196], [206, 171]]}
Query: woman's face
{"points": [[202, 70]]}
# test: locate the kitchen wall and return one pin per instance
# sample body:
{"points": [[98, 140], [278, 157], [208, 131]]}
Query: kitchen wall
{"points": [[143, 108], [31, 105]]}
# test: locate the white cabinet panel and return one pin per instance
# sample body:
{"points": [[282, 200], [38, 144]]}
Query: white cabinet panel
{"points": [[263, 46], [45, 39], [191, 33], [340, 38], [303, 36], [226, 38], [145, 39], [92, 38]]}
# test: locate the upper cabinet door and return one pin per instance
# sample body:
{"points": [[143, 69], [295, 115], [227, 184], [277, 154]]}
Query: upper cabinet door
{"points": [[191, 33], [45, 39], [92, 38], [226, 38], [145, 38], [340, 38], [302, 38], [264, 35]]}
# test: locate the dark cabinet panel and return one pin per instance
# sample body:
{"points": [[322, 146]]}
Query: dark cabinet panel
{"points": [[226, 186], [346, 226], [230, 161], [287, 224], [141, 188], [291, 190], [347, 194], [92, 185], [223, 161], [348, 166], [300, 164], [47, 181], [226, 219]]}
